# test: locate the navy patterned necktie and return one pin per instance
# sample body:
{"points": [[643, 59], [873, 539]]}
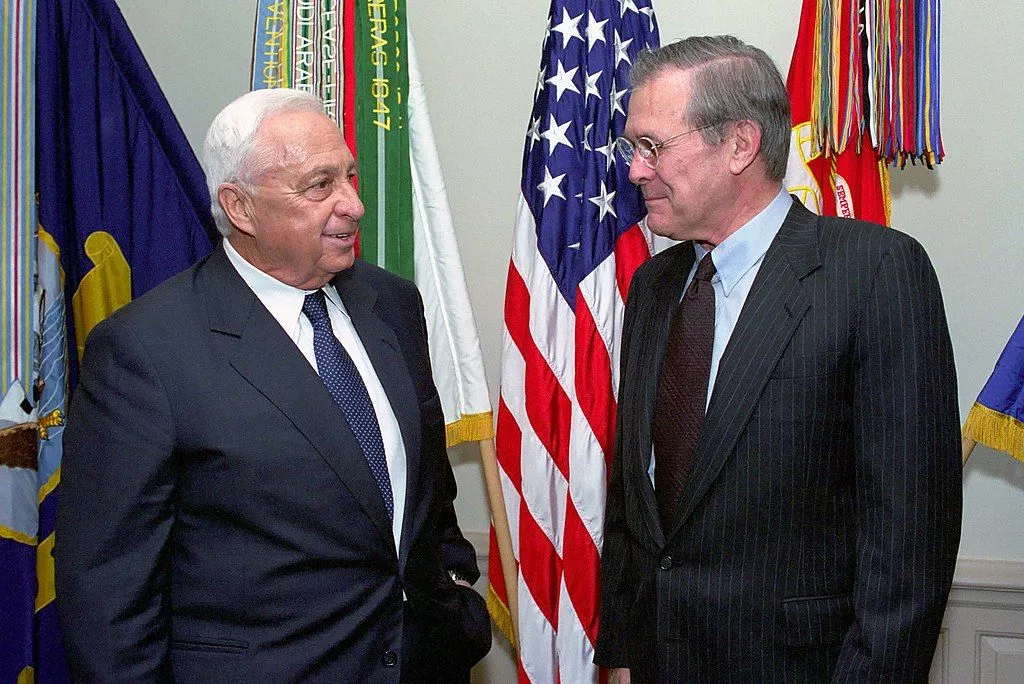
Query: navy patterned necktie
{"points": [[343, 381], [683, 390]]}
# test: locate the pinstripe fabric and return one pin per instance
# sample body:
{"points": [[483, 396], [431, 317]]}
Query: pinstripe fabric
{"points": [[820, 524]]}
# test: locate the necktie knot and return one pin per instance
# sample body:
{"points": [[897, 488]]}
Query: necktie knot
{"points": [[315, 307], [705, 269]]}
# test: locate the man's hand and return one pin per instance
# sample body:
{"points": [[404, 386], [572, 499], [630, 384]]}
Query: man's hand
{"points": [[618, 675]]}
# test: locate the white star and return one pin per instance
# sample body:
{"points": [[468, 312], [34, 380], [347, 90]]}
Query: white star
{"points": [[621, 50], [563, 80], [608, 151], [550, 186], [649, 11], [533, 134], [586, 138], [555, 135], [617, 97], [605, 203], [592, 87], [625, 5], [595, 31], [568, 27], [540, 81]]}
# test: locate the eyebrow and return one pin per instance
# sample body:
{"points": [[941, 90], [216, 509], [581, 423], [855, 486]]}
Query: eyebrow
{"points": [[325, 170], [650, 135]]}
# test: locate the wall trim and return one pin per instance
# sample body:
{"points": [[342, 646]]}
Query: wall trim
{"points": [[990, 574], [987, 574]]}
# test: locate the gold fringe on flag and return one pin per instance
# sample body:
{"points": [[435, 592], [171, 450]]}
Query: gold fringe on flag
{"points": [[501, 616], [996, 430], [472, 427]]}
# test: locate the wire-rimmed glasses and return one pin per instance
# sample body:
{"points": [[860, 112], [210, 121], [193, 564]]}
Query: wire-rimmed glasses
{"points": [[647, 147]]}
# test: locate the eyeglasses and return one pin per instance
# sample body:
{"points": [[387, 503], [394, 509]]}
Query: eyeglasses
{"points": [[648, 148]]}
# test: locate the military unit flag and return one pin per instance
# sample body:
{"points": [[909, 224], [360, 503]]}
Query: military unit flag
{"points": [[864, 89], [358, 57], [833, 178]]}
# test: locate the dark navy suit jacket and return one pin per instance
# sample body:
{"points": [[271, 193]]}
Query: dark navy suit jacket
{"points": [[218, 521], [819, 527]]}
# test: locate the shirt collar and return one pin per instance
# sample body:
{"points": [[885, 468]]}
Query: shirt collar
{"points": [[742, 250], [283, 301]]}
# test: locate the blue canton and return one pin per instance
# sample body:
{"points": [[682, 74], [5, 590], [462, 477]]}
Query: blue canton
{"points": [[579, 194]]}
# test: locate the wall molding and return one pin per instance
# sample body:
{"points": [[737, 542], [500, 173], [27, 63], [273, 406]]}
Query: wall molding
{"points": [[989, 574], [972, 578]]}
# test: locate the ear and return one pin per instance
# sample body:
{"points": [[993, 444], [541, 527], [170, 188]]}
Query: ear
{"points": [[745, 145], [236, 204]]}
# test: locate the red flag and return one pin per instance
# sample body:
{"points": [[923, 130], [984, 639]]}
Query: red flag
{"points": [[852, 182]]}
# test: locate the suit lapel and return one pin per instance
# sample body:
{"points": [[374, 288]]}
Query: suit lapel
{"points": [[774, 307], [382, 346], [269, 360]]}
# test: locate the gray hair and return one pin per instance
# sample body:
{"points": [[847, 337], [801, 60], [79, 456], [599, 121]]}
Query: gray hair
{"points": [[732, 81], [233, 153]]}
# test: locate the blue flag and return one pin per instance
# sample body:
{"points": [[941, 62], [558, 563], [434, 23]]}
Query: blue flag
{"points": [[997, 417], [122, 205], [120, 190]]}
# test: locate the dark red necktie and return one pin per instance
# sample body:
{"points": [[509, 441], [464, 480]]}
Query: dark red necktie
{"points": [[683, 390]]}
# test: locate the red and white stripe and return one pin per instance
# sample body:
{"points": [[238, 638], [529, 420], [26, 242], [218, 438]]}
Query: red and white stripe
{"points": [[556, 423]]}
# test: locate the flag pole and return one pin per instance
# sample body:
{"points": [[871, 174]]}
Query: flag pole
{"points": [[502, 534], [967, 445]]}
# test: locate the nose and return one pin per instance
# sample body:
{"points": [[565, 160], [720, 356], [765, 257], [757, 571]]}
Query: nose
{"points": [[639, 173], [348, 203]]}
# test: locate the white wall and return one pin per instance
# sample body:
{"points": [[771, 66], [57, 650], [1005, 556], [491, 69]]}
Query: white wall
{"points": [[479, 62]]}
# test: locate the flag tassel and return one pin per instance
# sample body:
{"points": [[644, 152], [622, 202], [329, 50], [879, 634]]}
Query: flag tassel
{"points": [[998, 430]]}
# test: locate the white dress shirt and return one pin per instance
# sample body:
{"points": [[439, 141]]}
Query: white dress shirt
{"points": [[284, 303]]}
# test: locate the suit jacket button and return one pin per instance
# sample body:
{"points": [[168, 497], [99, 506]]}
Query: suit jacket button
{"points": [[389, 659], [666, 563]]}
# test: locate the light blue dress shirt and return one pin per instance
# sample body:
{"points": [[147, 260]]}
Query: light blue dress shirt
{"points": [[737, 260]]}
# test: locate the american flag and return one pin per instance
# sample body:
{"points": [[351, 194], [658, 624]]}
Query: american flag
{"points": [[578, 240]]}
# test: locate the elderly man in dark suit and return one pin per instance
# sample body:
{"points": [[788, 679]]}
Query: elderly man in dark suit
{"points": [[785, 497], [255, 485]]}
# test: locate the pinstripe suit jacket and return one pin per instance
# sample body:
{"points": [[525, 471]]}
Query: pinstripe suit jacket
{"points": [[819, 526]]}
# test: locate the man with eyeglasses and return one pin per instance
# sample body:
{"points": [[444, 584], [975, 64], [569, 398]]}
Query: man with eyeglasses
{"points": [[785, 495]]}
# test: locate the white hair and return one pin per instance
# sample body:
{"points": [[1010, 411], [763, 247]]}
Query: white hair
{"points": [[232, 151]]}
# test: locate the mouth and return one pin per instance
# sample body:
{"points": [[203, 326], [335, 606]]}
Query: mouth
{"points": [[344, 236]]}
